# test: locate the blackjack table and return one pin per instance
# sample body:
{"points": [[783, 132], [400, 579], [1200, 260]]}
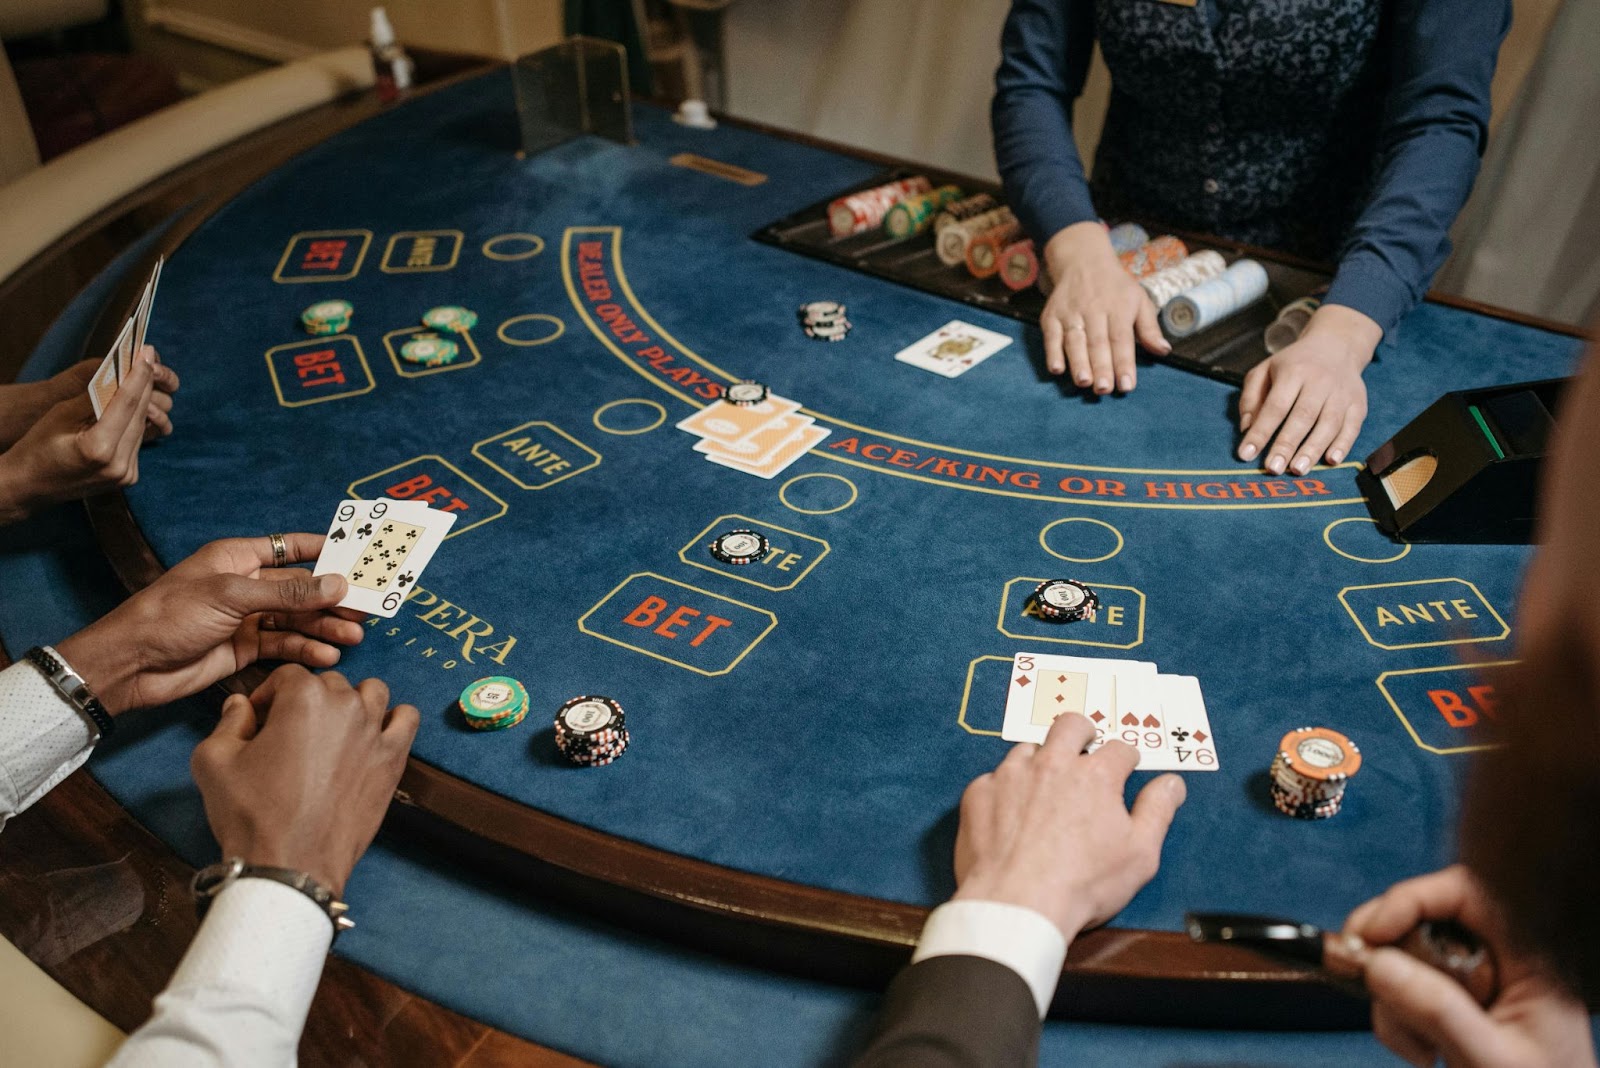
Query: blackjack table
{"points": [[759, 861]]}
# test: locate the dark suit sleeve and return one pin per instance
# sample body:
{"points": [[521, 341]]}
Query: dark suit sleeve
{"points": [[956, 1012]]}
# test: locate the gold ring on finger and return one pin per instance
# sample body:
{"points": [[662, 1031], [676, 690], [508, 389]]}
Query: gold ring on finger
{"points": [[280, 550]]}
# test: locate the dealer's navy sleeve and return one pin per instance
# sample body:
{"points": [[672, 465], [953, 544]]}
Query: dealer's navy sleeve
{"points": [[1044, 59], [1436, 120]]}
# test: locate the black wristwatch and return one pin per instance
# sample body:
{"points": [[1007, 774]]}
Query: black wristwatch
{"points": [[210, 881], [72, 687]]}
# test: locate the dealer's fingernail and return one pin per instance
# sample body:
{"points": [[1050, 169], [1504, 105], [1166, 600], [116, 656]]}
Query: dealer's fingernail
{"points": [[1335, 456], [1125, 383], [1301, 465], [1102, 385], [1275, 464], [1248, 452]]}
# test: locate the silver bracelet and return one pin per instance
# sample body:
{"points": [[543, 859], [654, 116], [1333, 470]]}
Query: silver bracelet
{"points": [[210, 881], [71, 686]]}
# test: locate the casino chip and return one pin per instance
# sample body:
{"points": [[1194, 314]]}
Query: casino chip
{"points": [[327, 317], [429, 351], [1310, 772], [824, 320], [1065, 600], [745, 394], [494, 703], [590, 731], [739, 547], [450, 317]]}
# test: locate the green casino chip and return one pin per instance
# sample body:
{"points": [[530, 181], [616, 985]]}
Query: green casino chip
{"points": [[494, 703], [429, 351], [451, 317], [327, 317]]}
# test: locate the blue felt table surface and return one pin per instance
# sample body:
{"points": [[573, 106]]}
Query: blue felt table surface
{"points": [[796, 735]]}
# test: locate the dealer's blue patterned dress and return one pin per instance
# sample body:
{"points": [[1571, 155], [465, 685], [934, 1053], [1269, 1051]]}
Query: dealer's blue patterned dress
{"points": [[1335, 129], [1257, 118]]}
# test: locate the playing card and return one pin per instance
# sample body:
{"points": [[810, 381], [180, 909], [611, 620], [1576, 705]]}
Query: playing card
{"points": [[393, 551], [953, 349], [352, 524], [726, 422], [103, 386], [147, 303], [1190, 744], [779, 459], [757, 446], [1044, 686]]}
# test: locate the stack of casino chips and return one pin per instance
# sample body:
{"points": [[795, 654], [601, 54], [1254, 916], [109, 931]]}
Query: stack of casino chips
{"points": [[859, 212], [985, 249], [914, 214], [824, 320], [746, 393], [739, 547], [1208, 303], [327, 317], [590, 731], [429, 350], [1291, 322], [1019, 265], [1065, 601], [1182, 277], [962, 210], [1311, 771], [1154, 255], [953, 241], [494, 704], [451, 318], [1125, 237]]}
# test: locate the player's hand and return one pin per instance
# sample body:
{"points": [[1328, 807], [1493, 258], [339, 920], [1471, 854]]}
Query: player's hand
{"points": [[1047, 829], [1309, 394], [299, 774], [24, 403], [1095, 312], [67, 454], [214, 614], [1423, 1015]]}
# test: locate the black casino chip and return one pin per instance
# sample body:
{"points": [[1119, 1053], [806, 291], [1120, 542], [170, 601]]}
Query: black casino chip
{"points": [[740, 547], [745, 394], [1065, 600]]}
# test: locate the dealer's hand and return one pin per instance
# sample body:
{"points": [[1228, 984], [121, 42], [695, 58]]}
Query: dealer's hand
{"points": [[1047, 829], [1424, 1015], [1309, 394], [1095, 312], [215, 613], [299, 774]]}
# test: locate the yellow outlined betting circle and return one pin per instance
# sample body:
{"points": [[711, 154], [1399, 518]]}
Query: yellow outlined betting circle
{"points": [[1048, 527], [1327, 539], [507, 257], [783, 494], [661, 416], [561, 328]]}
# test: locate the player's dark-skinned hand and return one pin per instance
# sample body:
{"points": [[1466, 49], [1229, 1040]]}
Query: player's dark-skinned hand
{"points": [[299, 774], [1425, 1016], [1095, 313], [1048, 830], [66, 454], [22, 404], [1308, 399], [214, 614]]}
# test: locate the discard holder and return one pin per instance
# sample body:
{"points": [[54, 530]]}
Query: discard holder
{"points": [[1466, 469], [577, 87]]}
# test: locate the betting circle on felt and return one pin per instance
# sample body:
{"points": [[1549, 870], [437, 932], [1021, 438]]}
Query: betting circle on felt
{"points": [[882, 670]]}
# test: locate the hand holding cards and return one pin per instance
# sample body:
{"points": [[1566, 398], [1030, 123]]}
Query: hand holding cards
{"points": [[381, 547], [1162, 716], [118, 363]]}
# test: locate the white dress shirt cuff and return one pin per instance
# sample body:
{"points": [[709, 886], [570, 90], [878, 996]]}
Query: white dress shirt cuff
{"points": [[43, 738], [242, 991], [1017, 937]]}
